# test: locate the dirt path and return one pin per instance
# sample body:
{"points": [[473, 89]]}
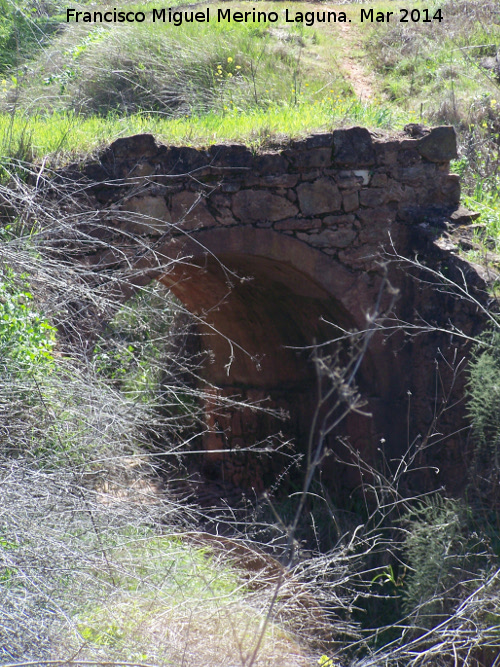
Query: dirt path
{"points": [[352, 67]]}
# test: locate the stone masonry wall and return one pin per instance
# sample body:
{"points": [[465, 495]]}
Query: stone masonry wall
{"points": [[338, 192]]}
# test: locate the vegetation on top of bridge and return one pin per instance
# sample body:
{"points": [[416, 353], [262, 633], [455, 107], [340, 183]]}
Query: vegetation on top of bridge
{"points": [[67, 89]]}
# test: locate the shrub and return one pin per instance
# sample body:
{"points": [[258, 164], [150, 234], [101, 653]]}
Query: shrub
{"points": [[23, 30], [445, 561], [484, 403], [27, 340]]}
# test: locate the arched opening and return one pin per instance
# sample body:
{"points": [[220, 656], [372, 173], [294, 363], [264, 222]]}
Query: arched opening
{"points": [[261, 306]]}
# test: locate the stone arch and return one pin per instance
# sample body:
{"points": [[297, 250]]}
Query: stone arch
{"points": [[263, 300], [306, 222]]}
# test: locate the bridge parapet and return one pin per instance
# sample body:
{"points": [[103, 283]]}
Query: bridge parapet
{"points": [[340, 192]]}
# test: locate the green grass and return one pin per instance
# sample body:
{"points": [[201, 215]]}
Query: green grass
{"points": [[435, 66], [191, 85], [168, 603], [173, 70], [67, 134]]}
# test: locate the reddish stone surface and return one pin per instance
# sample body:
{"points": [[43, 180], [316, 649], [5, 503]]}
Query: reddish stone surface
{"points": [[190, 211]]}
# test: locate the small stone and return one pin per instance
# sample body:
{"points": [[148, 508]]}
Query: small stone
{"points": [[278, 181], [379, 181], [230, 186], [312, 175], [330, 238], [395, 191], [463, 216], [350, 200], [282, 181], [339, 220], [142, 169], [451, 188], [297, 223], [363, 174], [350, 183], [372, 197], [225, 217]]}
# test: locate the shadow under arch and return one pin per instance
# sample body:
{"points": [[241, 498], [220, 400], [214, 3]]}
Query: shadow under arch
{"points": [[262, 300]]}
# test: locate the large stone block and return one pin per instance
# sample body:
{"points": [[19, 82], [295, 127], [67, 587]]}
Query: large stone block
{"points": [[261, 206], [310, 159], [321, 196], [145, 215], [440, 145], [353, 147], [135, 147], [234, 156], [182, 161], [321, 140], [270, 163], [190, 211]]}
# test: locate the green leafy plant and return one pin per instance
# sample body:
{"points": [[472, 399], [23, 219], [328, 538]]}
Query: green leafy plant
{"points": [[484, 393], [444, 559], [27, 340], [24, 28]]}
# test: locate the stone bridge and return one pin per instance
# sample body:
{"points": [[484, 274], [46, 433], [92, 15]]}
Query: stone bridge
{"points": [[281, 249]]}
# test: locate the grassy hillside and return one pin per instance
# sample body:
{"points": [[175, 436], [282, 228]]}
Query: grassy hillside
{"points": [[69, 88], [196, 83]]}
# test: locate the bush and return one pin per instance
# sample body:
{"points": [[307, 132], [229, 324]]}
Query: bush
{"points": [[484, 411], [24, 27], [27, 340], [445, 560]]}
